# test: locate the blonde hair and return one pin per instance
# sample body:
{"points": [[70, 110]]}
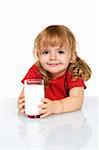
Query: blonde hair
{"points": [[58, 35]]}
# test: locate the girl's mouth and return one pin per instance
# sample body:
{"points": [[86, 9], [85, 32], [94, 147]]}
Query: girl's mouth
{"points": [[53, 64]]}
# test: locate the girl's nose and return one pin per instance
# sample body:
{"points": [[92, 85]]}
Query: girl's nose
{"points": [[52, 56]]}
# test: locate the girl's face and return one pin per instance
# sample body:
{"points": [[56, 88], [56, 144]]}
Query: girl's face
{"points": [[54, 59]]}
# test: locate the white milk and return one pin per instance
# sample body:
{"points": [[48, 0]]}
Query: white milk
{"points": [[33, 95]]}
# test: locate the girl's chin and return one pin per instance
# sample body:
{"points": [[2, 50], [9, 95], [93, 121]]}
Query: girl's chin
{"points": [[55, 70], [52, 70], [56, 73]]}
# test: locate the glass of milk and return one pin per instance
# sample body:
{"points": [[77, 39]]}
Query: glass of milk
{"points": [[34, 92]]}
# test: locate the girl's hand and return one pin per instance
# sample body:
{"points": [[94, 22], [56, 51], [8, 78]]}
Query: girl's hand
{"points": [[49, 107], [21, 104]]}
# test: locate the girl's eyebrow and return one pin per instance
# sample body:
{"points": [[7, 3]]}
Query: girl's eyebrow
{"points": [[63, 49], [45, 49], [57, 48]]}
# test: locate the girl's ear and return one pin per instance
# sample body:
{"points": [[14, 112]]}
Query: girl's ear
{"points": [[73, 57]]}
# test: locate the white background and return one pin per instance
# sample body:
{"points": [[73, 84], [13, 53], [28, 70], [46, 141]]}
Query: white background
{"points": [[22, 20]]}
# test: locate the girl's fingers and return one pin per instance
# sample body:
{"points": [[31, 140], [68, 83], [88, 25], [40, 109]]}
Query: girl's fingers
{"points": [[42, 106], [44, 115], [22, 111], [45, 100], [43, 111], [22, 99], [21, 106]]}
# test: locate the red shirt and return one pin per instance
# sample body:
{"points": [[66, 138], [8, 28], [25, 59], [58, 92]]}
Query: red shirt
{"points": [[59, 87]]}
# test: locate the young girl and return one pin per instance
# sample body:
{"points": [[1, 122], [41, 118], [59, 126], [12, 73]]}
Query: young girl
{"points": [[61, 69]]}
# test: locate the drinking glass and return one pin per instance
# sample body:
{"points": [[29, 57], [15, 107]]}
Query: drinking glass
{"points": [[34, 92]]}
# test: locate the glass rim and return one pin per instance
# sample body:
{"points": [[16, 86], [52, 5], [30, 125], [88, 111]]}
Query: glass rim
{"points": [[34, 81]]}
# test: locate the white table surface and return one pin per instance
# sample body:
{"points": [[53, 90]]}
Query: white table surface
{"points": [[69, 131]]}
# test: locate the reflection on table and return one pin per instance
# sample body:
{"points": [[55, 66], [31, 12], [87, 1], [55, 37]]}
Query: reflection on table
{"points": [[57, 131], [75, 130]]}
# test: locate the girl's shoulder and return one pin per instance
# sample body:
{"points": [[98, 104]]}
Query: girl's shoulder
{"points": [[33, 73], [73, 82], [34, 69]]}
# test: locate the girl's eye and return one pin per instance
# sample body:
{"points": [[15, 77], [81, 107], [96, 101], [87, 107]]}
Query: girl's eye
{"points": [[61, 52], [44, 52]]}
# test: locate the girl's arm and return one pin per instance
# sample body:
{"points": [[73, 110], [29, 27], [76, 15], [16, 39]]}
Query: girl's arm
{"points": [[68, 104], [74, 101]]}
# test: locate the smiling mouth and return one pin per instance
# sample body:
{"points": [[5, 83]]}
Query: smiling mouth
{"points": [[53, 65]]}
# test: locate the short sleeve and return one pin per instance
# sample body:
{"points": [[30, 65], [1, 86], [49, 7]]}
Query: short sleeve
{"points": [[74, 83], [33, 73]]}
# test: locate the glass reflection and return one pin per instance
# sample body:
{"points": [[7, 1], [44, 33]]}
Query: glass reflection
{"points": [[68, 130]]}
